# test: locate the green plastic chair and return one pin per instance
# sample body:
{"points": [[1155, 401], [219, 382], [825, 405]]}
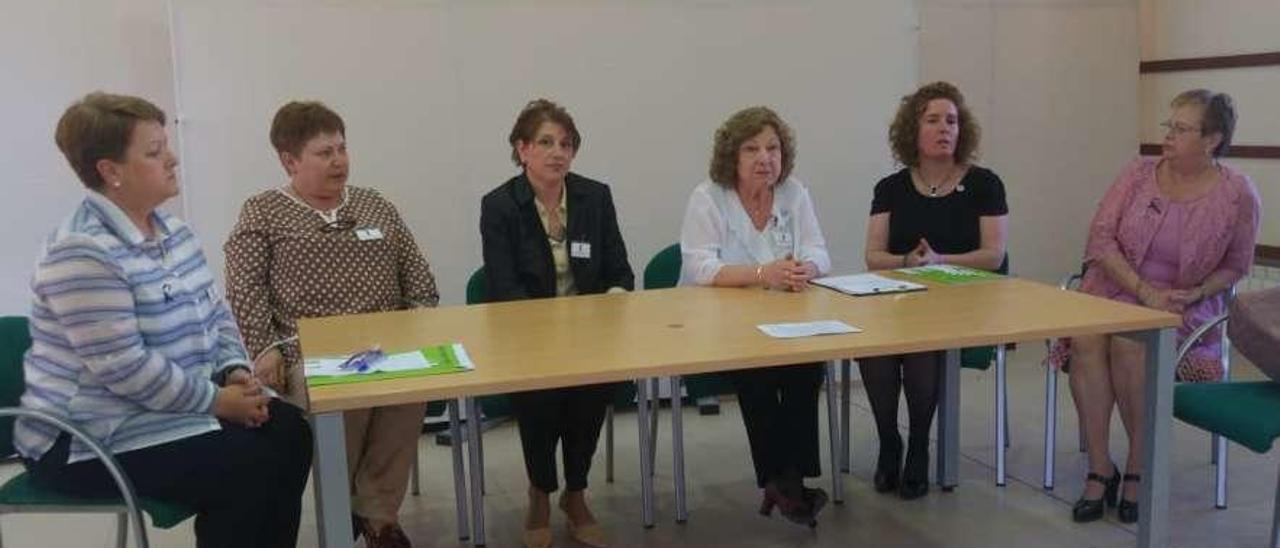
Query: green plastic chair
{"points": [[663, 271], [478, 293], [1247, 413], [21, 495]]}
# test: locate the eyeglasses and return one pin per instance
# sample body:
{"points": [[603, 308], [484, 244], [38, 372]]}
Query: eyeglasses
{"points": [[1177, 128], [337, 226]]}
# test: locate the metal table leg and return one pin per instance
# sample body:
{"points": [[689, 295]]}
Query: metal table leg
{"points": [[1002, 415], [1050, 423], [646, 474], [949, 422], [846, 369], [473, 451], [1153, 500], [332, 492], [833, 427], [677, 449], [459, 472]]}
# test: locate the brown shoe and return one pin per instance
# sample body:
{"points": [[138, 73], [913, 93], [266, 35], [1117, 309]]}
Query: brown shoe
{"points": [[390, 536]]}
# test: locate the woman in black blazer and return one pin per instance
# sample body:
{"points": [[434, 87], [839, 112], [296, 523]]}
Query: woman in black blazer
{"points": [[551, 233]]}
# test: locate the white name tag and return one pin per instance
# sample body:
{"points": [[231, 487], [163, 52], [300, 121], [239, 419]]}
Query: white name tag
{"points": [[366, 234], [580, 250]]}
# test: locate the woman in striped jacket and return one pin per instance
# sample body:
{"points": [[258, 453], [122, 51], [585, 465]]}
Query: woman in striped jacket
{"points": [[132, 342]]}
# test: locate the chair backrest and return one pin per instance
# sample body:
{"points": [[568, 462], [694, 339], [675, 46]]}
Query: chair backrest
{"points": [[981, 357], [663, 270], [477, 287], [15, 339]]}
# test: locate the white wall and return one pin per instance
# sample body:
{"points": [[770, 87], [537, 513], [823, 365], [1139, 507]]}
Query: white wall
{"points": [[1054, 85], [1174, 29], [430, 90], [53, 53]]}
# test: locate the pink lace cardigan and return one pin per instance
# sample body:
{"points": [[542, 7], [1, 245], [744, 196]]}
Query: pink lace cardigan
{"points": [[1219, 236]]}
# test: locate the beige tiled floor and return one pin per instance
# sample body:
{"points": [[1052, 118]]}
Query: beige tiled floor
{"points": [[723, 498]]}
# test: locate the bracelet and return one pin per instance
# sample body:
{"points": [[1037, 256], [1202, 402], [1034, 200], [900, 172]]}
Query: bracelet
{"points": [[904, 259], [760, 274], [219, 377]]}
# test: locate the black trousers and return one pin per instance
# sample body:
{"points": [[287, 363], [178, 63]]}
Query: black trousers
{"points": [[570, 416], [244, 483], [780, 410]]}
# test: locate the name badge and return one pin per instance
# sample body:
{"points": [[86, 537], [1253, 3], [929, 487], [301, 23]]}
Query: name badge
{"points": [[366, 234], [580, 250], [782, 238]]}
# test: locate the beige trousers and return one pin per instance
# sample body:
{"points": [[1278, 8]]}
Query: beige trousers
{"points": [[381, 445]]}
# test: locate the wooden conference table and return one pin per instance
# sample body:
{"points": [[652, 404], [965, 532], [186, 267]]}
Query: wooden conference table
{"points": [[549, 343]]}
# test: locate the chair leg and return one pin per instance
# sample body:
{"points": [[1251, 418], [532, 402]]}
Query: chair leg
{"points": [[459, 472], [608, 444], [1220, 473], [1219, 442], [833, 432], [415, 486], [122, 529], [846, 369], [654, 384], [1002, 416], [1050, 423], [1275, 517]]}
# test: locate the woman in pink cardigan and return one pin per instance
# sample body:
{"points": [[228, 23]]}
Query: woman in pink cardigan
{"points": [[1173, 233]]}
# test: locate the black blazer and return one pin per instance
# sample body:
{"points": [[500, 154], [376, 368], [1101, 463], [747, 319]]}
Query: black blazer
{"points": [[517, 256]]}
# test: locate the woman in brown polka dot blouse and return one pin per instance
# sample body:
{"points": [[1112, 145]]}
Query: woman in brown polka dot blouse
{"points": [[318, 247], [549, 232]]}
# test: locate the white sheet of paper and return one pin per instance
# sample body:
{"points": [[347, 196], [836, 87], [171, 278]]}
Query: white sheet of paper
{"points": [[331, 367], [463, 358], [806, 329], [404, 361], [867, 284]]}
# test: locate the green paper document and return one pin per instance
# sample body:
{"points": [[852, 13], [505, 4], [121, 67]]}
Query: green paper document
{"points": [[949, 274], [432, 360]]}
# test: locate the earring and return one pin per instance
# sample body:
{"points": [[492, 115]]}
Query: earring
{"points": [[115, 184]]}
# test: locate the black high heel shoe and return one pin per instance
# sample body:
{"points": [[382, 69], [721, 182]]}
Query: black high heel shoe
{"points": [[1127, 510], [888, 466], [1086, 510], [915, 473]]}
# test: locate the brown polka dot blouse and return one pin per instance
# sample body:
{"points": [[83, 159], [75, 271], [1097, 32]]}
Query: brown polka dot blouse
{"points": [[285, 262]]}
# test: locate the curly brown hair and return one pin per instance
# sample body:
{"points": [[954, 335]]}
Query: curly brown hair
{"points": [[99, 127], [532, 116], [300, 121], [743, 125], [905, 129]]}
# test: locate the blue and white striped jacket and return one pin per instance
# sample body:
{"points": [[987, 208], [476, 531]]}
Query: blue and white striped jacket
{"points": [[126, 334]]}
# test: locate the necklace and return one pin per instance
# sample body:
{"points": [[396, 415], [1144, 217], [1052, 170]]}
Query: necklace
{"points": [[941, 185]]}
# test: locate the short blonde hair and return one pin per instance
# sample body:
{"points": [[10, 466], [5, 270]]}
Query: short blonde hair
{"points": [[743, 125], [99, 127]]}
